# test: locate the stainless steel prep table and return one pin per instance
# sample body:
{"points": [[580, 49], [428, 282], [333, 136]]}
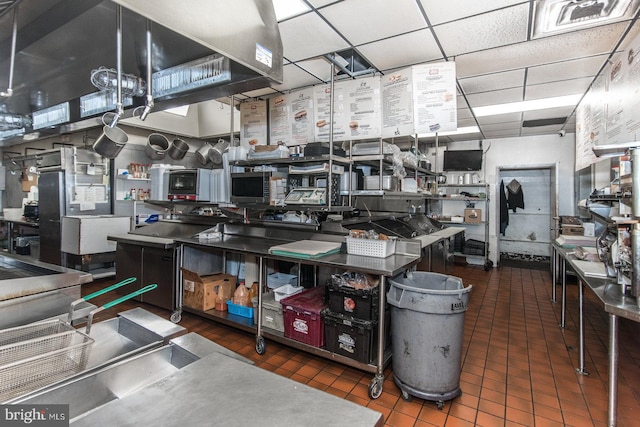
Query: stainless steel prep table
{"points": [[615, 303], [244, 240], [150, 254], [14, 227]]}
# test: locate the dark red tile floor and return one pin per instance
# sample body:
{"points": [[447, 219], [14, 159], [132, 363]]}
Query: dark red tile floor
{"points": [[518, 366]]}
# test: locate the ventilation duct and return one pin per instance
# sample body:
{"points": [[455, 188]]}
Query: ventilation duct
{"points": [[242, 32]]}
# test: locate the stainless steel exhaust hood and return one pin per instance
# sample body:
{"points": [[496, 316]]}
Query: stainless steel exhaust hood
{"points": [[59, 43]]}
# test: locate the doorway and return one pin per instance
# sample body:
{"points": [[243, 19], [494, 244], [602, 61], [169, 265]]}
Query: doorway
{"points": [[531, 197]]}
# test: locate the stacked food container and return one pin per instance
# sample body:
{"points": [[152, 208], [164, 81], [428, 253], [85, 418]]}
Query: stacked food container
{"points": [[351, 321]]}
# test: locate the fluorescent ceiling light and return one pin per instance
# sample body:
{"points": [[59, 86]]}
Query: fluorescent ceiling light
{"points": [[459, 131], [179, 111], [536, 104], [288, 8]]}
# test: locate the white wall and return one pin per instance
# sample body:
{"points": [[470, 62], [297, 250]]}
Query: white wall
{"points": [[543, 150]]}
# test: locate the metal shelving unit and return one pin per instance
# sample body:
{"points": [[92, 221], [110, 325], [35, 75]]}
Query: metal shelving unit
{"points": [[468, 201]]}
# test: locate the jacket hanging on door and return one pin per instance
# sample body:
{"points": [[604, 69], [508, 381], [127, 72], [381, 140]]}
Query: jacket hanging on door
{"points": [[515, 197], [504, 209]]}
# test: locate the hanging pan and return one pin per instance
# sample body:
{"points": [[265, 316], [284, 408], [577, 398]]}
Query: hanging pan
{"points": [[178, 149], [157, 146]]}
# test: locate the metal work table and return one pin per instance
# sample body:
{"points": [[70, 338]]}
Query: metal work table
{"points": [[31, 290], [245, 241], [614, 302], [13, 230]]}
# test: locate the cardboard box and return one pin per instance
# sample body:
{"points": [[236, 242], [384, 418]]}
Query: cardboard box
{"points": [[473, 216], [200, 292]]}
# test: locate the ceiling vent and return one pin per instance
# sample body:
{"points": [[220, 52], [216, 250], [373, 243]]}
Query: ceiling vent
{"points": [[544, 122], [558, 16], [351, 63]]}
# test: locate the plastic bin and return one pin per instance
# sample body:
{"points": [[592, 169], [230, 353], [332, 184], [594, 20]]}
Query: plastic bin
{"points": [[286, 291], [302, 316], [360, 303], [239, 310], [427, 328], [275, 280], [271, 312]]}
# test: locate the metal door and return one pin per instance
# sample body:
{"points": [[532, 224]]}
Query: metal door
{"points": [[51, 209]]}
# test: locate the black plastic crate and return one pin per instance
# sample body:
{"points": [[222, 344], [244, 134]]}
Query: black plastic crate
{"points": [[354, 338], [359, 303]]}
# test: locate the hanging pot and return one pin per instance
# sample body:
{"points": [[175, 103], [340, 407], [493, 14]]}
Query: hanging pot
{"points": [[215, 154], [202, 154], [157, 146], [178, 149], [110, 142]]}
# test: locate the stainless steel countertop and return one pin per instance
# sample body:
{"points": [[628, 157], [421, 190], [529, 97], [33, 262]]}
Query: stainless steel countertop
{"points": [[222, 391], [389, 266], [49, 277], [608, 291], [136, 239]]}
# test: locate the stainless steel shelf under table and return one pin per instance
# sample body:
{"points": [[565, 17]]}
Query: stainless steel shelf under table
{"points": [[383, 267]]}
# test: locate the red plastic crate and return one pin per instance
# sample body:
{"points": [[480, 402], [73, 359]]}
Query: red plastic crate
{"points": [[302, 316]]}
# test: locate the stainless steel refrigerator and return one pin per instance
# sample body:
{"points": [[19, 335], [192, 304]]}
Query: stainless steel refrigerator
{"points": [[72, 181]]}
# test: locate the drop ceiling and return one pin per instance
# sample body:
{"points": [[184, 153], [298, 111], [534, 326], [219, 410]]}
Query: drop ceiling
{"points": [[497, 58]]}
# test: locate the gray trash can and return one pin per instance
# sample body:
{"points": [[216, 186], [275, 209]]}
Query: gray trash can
{"points": [[427, 328]]}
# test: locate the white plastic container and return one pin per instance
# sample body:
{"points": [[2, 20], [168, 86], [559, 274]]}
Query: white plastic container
{"points": [[287, 291]]}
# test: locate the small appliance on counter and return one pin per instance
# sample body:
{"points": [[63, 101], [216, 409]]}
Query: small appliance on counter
{"points": [[31, 212]]}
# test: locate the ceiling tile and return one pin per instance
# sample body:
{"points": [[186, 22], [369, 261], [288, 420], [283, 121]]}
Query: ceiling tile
{"points": [[380, 19], [501, 133], [541, 130], [562, 47], [583, 67], [260, 92], [548, 113], [462, 123], [457, 9], [488, 82], [307, 36], [565, 87], [400, 51], [464, 113], [500, 118], [319, 67], [321, 3], [633, 33], [502, 126], [502, 27], [496, 97], [295, 77]]}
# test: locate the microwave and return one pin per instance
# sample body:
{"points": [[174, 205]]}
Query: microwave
{"points": [[256, 187], [190, 184]]}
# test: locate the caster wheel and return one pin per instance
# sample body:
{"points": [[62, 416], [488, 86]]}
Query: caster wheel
{"points": [[375, 388], [406, 396], [440, 404], [176, 317], [261, 347]]}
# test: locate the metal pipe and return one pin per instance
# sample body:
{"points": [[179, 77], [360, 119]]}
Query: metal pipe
{"points": [[331, 100], [635, 173], [119, 107], [612, 410], [581, 369], [232, 124], [14, 37], [149, 97]]}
